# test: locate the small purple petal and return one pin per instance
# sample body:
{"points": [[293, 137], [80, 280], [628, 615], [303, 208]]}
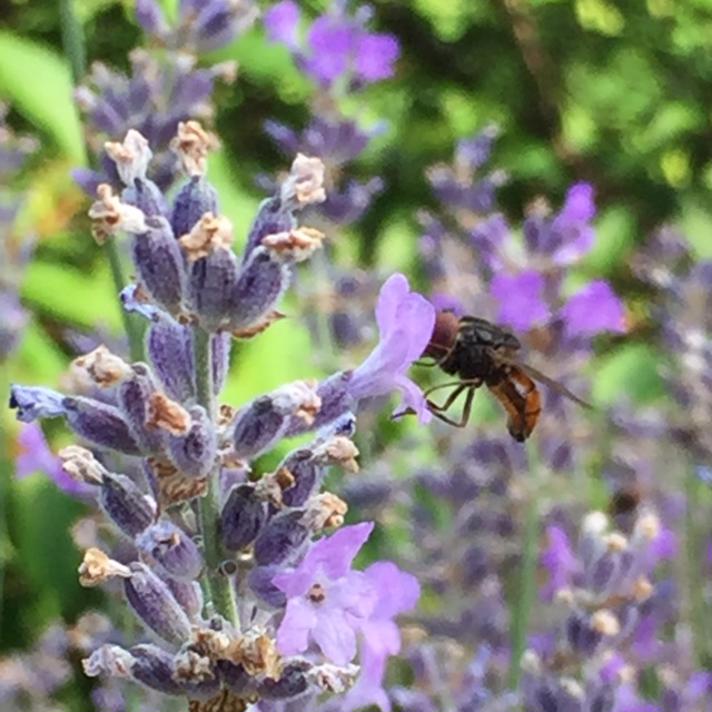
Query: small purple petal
{"points": [[593, 309], [520, 298], [375, 56], [282, 22]]}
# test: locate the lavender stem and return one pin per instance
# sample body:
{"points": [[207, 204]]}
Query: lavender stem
{"points": [[525, 587], [218, 585]]}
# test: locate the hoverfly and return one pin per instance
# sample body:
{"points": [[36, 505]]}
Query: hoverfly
{"points": [[479, 352]]}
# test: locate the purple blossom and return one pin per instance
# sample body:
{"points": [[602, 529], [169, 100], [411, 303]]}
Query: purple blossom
{"points": [[559, 560], [326, 600], [520, 297], [571, 226], [282, 22], [35, 456], [398, 592], [375, 56], [336, 45], [405, 324], [593, 309]]}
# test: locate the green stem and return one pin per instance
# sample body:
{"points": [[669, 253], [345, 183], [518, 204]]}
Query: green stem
{"points": [[6, 471], [72, 39], [524, 594], [73, 43], [695, 546], [218, 585], [132, 326]]}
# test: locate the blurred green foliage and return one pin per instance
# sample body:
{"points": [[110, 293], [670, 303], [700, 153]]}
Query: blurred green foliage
{"points": [[617, 93]]}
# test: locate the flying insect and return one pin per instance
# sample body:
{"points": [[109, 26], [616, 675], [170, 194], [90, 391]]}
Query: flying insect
{"points": [[478, 353]]}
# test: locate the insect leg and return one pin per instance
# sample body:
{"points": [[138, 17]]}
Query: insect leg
{"points": [[466, 382], [466, 409], [459, 388]]}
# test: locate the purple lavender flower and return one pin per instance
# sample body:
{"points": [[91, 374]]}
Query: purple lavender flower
{"points": [[593, 309], [521, 299], [35, 456], [398, 592], [337, 45], [559, 560], [405, 324], [329, 604]]}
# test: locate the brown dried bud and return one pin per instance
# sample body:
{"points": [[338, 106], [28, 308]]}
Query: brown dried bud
{"points": [[192, 145], [131, 157], [167, 415], [173, 486], [342, 451], [257, 653], [251, 331], [224, 701], [210, 233], [325, 511], [109, 215], [97, 567], [81, 465], [294, 245], [305, 183], [104, 368]]}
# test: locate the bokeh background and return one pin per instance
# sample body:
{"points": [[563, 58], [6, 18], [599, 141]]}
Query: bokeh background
{"points": [[615, 93]]}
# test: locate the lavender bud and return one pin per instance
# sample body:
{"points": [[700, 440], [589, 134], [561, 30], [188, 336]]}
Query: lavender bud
{"points": [[147, 197], [126, 505], [189, 595], [259, 287], [307, 474], [133, 397], [212, 281], [154, 667], [264, 421], [194, 199], [272, 218], [100, 424], [154, 604], [174, 551], [194, 453], [280, 538], [336, 404], [34, 402], [260, 581], [582, 638], [235, 678], [291, 683], [241, 518], [159, 263], [170, 348], [150, 16]]}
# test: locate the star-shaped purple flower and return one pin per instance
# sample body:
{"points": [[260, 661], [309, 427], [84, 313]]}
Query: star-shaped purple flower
{"points": [[332, 606]]}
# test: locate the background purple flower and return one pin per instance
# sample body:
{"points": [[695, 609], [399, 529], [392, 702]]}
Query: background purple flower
{"points": [[593, 309], [520, 298]]}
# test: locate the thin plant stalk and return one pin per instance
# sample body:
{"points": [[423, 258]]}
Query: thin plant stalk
{"points": [[524, 593], [217, 583], [73, 43]]}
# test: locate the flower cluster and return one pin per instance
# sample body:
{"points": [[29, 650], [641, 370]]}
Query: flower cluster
{"points": [[163, 89], [342, 57], [222, 567]]}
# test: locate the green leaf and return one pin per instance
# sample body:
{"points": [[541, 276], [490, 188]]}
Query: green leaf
{"points": [[85, 299], [37, 82], [632, 370]]}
